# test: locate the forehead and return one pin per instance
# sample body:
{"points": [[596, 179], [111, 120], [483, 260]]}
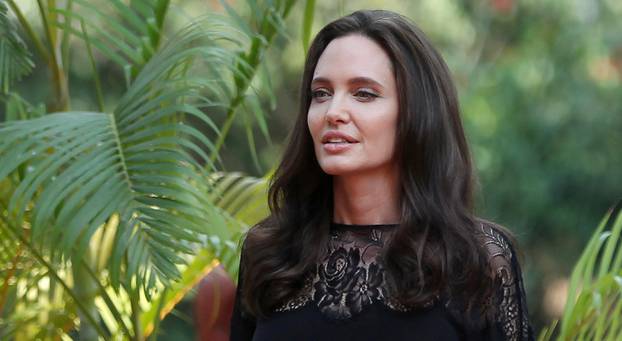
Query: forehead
{"points": [[354, 56]]}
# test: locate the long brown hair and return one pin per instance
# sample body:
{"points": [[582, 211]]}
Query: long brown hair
{"points": [[435, 251]]}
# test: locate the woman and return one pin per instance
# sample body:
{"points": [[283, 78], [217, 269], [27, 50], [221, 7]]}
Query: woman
{"points": [[371, 234]]}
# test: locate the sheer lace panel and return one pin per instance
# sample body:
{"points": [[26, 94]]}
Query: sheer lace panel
{"points": [[511, 308], [351, 276]]}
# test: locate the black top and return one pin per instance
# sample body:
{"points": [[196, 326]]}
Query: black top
{"points": [[346, 298]]}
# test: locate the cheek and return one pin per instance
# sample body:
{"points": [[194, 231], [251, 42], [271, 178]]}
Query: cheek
{"points": [[385, 139], [314, 123], [384, 131]]}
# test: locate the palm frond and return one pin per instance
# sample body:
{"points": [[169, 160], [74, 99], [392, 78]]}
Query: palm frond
{"points": [[132, 34], [242, 197], [267, 22], [242, 201], [82, 167], [15, 58], [137, 184], [17, 108], [202, 263]]}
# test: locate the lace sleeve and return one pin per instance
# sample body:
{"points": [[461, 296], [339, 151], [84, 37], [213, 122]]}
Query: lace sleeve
{"points": [[511, 315], [242, 323]]}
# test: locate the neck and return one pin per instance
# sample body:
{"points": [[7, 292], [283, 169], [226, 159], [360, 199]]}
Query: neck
{"points": [[366, 199]]}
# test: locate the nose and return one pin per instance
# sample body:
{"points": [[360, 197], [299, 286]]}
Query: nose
{"points": [[337, 111]]}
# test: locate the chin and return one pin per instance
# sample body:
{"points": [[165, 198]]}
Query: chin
{"points": [[334, 168]]}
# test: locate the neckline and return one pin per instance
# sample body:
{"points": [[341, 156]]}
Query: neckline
{"points": [[361, 227]]}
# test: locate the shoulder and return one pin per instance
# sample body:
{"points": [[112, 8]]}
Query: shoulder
{"points": [[255, 240], [245, 242], [499, 246], [253, 235]]}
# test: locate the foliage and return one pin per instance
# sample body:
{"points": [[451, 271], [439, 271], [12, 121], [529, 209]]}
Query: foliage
{"points": [[594, 306], [108, 217], [15, 59]]}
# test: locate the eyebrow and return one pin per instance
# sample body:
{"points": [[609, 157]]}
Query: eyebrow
{"points": [[351, 81]]}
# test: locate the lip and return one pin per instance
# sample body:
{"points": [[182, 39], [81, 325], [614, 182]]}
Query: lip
{"points": [[337, 135], [334, 148]]}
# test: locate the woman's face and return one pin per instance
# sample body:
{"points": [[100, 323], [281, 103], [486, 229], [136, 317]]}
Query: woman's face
{"points": [[354, 107]]}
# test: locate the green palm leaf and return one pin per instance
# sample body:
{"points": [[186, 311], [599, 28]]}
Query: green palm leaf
{"points": [[123, 199], [17, 108], [81, 167], [267, 21], [243, 198], [15, 59], [132, 34], [241, 201]]}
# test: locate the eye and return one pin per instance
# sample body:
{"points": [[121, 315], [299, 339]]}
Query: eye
{"points": [[320, 94], [365, 95]]}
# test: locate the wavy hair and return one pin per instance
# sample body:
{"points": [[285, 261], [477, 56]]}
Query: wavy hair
{"points": [[435, 251]]}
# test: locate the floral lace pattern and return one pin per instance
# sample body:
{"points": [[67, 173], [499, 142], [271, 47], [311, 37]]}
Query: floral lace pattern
{"points": [[345, 285], [351, 277], [511, 312]]}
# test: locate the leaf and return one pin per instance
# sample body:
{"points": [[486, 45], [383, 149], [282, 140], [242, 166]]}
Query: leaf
{"points": [[228, 191], [136, 183], [270, 22], [594, 300], [15, 58], [17, 108], [307, 24], [244, 198], [200, 266], [84, 167], [11, 231], [130, 40]]}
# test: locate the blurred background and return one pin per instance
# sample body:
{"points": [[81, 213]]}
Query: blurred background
{"points": [[540, 85]]}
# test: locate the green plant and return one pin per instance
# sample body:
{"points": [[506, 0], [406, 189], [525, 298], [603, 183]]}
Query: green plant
{"points": [[593, 308], [107, 216]]}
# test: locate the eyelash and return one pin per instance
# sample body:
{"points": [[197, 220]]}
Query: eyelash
{"points": [[363, 94], [316, 93], [368, 95]]}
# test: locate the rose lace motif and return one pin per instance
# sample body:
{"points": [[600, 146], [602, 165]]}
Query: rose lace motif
{"points": [[350, 277]]}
